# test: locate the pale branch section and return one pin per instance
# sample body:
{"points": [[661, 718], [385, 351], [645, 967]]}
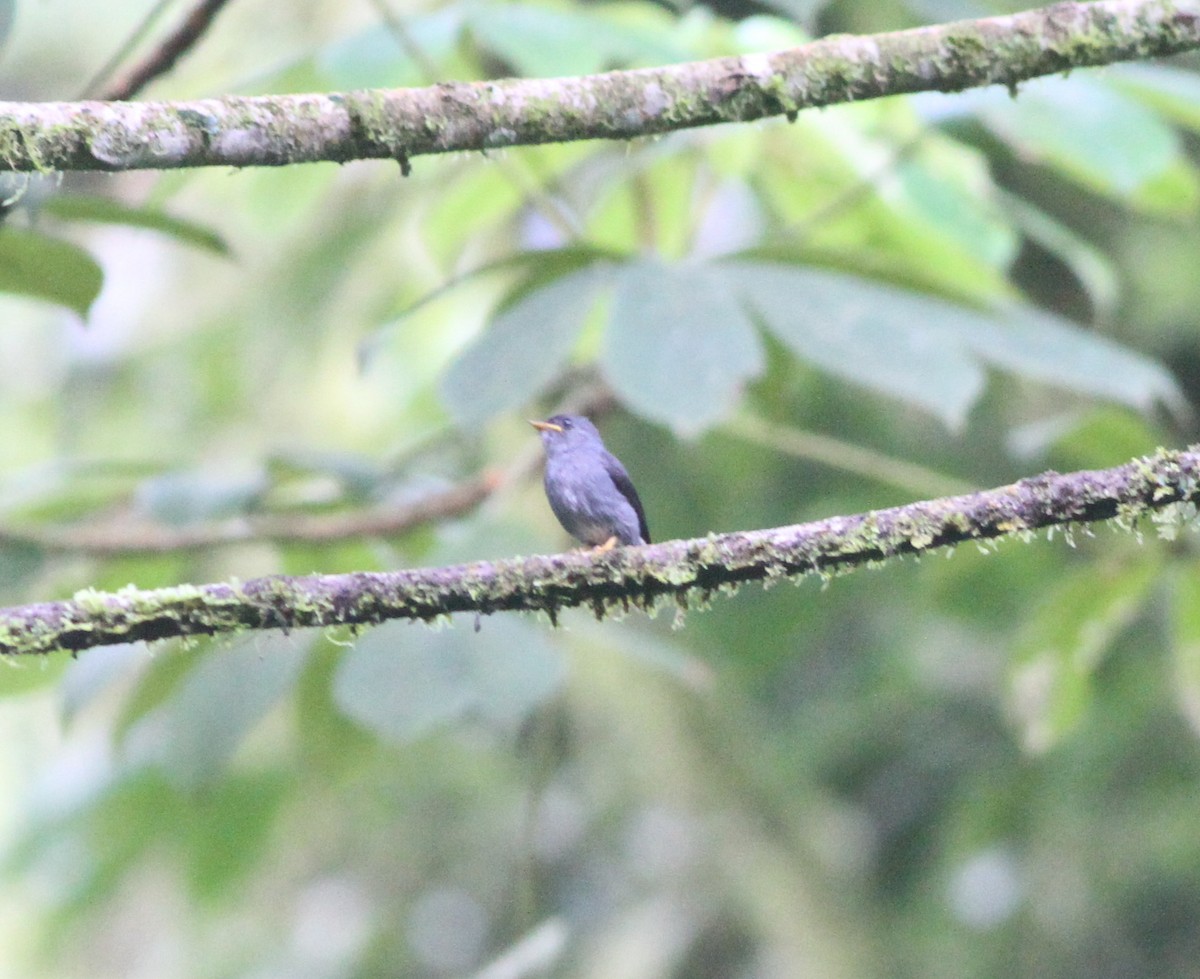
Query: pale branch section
{"points": [[118, 538], [125, 535], [634, 577], [399, 124]]}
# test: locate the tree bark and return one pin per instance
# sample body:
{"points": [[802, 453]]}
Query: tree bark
{"points": [[683, 571], [399, 124]]}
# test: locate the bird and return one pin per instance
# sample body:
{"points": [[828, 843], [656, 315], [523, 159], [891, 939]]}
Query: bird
{"points": [[589, 490]]}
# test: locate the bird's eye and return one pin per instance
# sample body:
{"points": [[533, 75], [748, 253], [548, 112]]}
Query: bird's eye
{"points": [[566, 423]]}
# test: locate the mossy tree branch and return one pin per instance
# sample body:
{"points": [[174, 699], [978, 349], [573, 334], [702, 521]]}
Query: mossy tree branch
{"points": [[680, 570], [400, 124]]}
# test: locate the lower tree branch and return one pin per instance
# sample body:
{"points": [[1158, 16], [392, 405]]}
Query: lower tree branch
{"points": [[399, 124], [627, 577]]}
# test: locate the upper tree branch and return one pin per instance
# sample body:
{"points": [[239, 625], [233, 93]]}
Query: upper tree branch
{"points": [[632, 576], [404, 123]]}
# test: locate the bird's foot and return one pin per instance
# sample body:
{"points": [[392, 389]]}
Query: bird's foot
{"points": [[607, 546]]}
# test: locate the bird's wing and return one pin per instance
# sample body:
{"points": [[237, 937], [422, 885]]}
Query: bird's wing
{"points": [[624, 484]]}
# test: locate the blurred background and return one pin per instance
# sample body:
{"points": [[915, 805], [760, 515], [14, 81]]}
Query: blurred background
{"points": [[984, 763]]}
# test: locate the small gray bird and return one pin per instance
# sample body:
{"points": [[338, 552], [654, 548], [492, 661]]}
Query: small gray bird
{"points": [[589, 490]]}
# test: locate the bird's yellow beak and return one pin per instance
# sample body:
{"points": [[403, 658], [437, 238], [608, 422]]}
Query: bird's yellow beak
{"points": [[545, 426]]}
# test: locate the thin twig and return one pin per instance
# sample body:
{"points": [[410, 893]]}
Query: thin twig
{"points": [[128, 537], [128, 46], [163, 58], [838, 454]]}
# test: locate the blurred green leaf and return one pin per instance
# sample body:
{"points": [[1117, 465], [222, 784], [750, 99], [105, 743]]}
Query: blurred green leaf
{"points": [[82, 207], [130, 817], [522, 350], [353, 474], [21, 674], [768, 32], [19, 564], [34, 265], [1093, 270], [7, 11], [1174, 193], [161, 570], [1105, 436], [844, 195], [471, 201], [679, 347], [195, 730], [949, 188], [927, 351], [379, 58], [1185, 639], [328, 741], [543, 42], [1089, 439], [535, 267], [87, 677], [881, 337], [1041, 346], [404, 681], [188, 497], [1061, 645], [653, 199], [227, 828], [160, 677], [1086, 130], [66, 489], [1175, 92]]}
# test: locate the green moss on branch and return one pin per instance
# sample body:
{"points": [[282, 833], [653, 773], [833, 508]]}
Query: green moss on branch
{"points": [[400, 124], [688, 572]]}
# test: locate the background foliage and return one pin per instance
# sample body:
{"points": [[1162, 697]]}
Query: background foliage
{"points": [[978, 766]]}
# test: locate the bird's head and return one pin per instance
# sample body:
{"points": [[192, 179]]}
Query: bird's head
{"points": [[564, 432]]}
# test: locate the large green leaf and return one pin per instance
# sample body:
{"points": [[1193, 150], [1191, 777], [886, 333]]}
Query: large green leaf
{"points": [[194, 732], [523, 348], [32, 264], [1087, 131], [1041, 346], [930, 352], [1062, 644], [878, 336], [83, 207], [404, 681], [679, 345]]}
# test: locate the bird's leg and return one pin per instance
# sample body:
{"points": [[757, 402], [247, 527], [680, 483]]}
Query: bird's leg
{"points": [[607, 546]]}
